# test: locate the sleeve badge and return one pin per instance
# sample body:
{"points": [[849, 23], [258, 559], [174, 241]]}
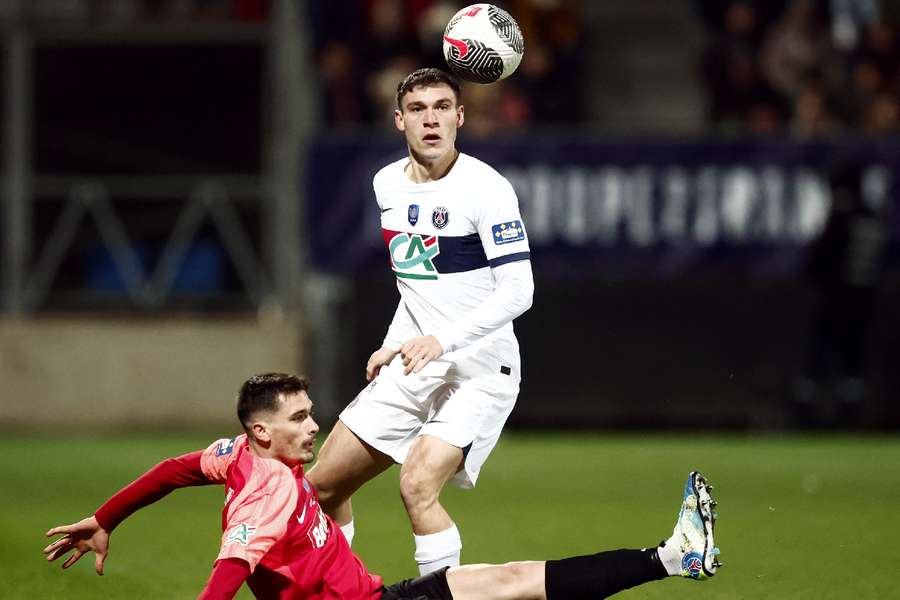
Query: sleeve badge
{"points": [[507, 233], [241, 534]]}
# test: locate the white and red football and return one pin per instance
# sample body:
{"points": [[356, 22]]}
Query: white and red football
{"points": [[483, 43]]}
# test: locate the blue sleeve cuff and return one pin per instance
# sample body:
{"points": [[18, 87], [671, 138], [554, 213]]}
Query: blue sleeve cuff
{"points": [[508, 258]]}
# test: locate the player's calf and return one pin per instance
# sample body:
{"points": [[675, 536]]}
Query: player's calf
{"points": [[429, 465]]}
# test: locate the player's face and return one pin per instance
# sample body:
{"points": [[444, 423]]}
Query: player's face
{"points": [[293, 430], [429, 119]]}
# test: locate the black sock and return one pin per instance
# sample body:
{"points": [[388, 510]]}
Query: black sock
{"points": [[601, 575]]}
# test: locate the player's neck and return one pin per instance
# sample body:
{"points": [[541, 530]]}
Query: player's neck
{"points": [[263, 452], [420, 170]]}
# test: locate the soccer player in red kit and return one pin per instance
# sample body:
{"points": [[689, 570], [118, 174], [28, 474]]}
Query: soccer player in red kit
{"points": [[277, 538]]}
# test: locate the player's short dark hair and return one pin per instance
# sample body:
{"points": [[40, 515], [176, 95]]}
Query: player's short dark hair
{"points": [[425, 78], [261, 393]]}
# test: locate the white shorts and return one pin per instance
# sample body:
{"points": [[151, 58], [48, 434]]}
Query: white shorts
{"points": [[465, 411]]}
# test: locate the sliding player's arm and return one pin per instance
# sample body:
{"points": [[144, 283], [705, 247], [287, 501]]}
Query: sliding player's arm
{"points": [[92, 533], [228, 575], [166, 477]]}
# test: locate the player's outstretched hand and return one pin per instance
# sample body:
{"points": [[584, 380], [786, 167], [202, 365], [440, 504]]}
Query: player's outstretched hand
{"points": [[84, 536], [379, 358], [418, 352]]}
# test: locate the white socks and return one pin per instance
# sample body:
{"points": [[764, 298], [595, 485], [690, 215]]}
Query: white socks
{"points": [[438, 550], [434, 551], [348, 532], [670, 557]]}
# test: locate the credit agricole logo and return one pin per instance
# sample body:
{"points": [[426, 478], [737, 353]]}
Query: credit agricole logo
{"points": [[412, 255]]}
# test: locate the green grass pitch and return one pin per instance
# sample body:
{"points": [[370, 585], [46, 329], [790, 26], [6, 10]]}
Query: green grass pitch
{"points": [[800, 517]]}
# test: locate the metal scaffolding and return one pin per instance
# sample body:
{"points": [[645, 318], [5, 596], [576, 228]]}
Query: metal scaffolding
{"points": [[268, 277], [273, 273]]}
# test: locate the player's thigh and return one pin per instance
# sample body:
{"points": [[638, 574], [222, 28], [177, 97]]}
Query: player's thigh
{"points": [[389, 413], [430, 464], [522, 580], [472, 418], [344, 464]]}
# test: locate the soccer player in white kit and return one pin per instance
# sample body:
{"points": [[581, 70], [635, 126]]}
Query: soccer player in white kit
{"points": [[447, 375]]}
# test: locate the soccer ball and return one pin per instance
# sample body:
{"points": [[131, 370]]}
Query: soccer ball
{"points": [[483, 43]]}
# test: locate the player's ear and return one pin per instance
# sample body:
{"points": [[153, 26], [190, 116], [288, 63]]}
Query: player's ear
{"points": [[398, 120], [460, 115], [260, 432]]}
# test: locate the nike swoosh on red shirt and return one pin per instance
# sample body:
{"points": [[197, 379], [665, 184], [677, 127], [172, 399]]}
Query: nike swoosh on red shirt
{"points": [[460, 45]]}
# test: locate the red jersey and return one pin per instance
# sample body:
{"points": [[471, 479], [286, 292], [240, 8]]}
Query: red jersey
{"points": [[273, 521]]}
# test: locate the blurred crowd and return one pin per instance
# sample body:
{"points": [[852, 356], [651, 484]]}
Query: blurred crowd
{"points": [[803, 67], [808, 68], [129, 11], [364, 48]]}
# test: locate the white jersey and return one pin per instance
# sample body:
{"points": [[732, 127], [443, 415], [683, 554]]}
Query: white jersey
{"points": [[443, 238]]}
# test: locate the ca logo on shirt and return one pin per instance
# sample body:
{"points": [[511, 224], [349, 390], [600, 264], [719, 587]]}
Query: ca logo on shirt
{"points": [[412, 255], [241, 534]]}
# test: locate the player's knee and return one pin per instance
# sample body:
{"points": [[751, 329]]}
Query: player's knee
{"points": [[517, 580], [318, 482], [327, 497], [417, 490], [329, 494], [508, 574]]}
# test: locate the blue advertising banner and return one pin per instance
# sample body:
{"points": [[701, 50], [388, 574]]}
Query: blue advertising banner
{"points": [[619, 209]]}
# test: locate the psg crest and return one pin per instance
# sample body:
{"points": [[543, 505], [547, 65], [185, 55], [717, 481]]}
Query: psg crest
{"points": [[413, 214], [440, 218]]}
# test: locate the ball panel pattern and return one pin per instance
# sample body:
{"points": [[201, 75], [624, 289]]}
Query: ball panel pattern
{"points": [[480, 63], [507, 28], [453, 22]]}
